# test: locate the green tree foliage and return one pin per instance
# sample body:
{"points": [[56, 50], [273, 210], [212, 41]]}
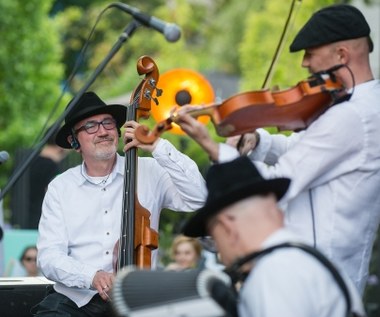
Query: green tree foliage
{"points": [[120, 75], [263, 30], [30, 72]]}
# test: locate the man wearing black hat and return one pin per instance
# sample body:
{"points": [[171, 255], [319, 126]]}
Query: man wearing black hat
{"points": [[82, 209], [333, 200], [242, 216]]}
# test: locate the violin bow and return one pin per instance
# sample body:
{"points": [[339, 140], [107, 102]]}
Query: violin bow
{"points": [[276, 56], [280, 44]]}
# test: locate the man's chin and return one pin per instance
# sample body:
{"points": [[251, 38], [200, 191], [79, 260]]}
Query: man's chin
{"points": [[105, 154]]}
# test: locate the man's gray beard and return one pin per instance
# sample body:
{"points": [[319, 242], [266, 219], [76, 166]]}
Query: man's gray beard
{"points": [[106, 154]]}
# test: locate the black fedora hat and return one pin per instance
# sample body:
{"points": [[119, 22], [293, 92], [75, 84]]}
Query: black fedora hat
{"points": [[228, 183], [89, 104], [332, 24]]}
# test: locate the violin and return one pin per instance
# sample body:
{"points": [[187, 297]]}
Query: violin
{"points": [[290, 109], [137, 238]]}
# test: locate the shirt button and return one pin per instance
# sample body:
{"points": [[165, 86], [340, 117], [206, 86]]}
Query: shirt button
{"points": [[106, 212], [108, 233], [103, 189], [107, 252]]}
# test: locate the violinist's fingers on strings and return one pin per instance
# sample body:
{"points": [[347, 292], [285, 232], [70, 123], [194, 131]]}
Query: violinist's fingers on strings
{"points": [[173, 110], [233, 140]]}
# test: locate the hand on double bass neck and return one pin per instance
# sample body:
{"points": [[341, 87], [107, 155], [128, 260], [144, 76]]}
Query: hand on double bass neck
{"points": [[130, 140]]}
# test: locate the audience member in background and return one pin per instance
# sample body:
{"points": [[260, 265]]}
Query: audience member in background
{"points": [[186, 253], [28, 260], [26, 266]]}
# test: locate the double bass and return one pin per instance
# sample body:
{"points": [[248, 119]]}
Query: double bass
{"points": [[137, 238]]}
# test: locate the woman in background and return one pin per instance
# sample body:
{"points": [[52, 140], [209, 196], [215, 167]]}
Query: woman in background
{"points": [[28, 261], [26, 266], [186, 253]]}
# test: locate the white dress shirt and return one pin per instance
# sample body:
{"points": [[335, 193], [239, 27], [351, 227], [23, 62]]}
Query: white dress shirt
{"points": [[289, 282], [81, 221], [334, 198]]}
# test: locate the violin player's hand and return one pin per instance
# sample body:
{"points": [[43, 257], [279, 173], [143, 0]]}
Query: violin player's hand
{"points": [[130, 140], [248, 143], [197, 131], [103, 282], [190, 125], [233, 141]]}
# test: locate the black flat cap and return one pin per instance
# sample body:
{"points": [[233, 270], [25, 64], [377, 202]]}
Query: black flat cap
{"points": [[332, 24]]}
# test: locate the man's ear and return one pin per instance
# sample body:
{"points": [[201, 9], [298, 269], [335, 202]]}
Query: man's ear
{"points": [[228, 222], [343, 55]]}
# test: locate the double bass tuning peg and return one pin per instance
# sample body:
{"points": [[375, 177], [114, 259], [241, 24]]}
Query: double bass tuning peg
{"points": [[157, 90], [158, 94]]}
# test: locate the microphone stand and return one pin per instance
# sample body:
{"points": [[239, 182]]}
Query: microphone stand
{"points": [[127, 33]]}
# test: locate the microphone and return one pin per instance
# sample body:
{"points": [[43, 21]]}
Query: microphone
{"points": [[171, 31], [190, 293], [4, 156], [224, 295], [330, 71]]}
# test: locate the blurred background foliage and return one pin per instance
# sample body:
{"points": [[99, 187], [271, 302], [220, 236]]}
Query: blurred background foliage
{"points": [[42, 40]]}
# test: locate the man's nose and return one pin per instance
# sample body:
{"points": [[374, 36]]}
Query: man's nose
{"points": [[305, 63], [102, 130]]}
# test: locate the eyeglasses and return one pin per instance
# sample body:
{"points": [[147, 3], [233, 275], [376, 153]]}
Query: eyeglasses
{"points": [[29, 259], [92, 127]]}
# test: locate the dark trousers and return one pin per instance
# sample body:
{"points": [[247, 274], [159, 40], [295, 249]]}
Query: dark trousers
{"points": [[58, 305]]}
